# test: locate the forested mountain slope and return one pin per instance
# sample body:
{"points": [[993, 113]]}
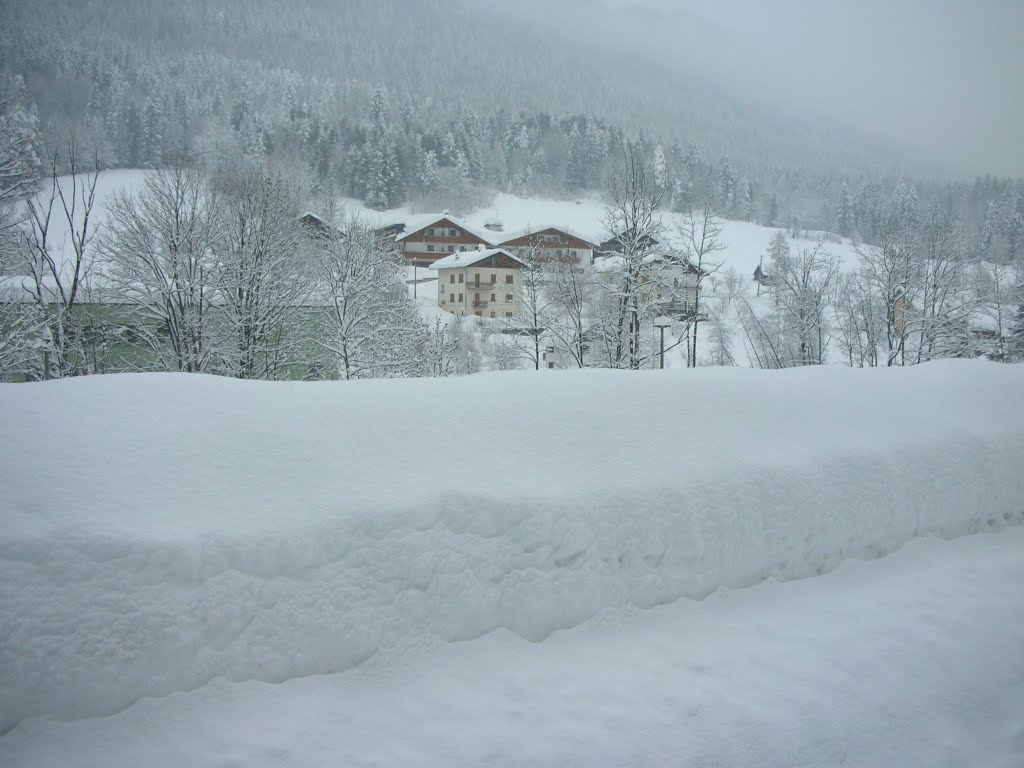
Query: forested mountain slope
{"points": [[439, 100]]}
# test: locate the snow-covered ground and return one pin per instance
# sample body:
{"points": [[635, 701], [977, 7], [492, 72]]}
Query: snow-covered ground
{"points": [[169, 533], [108, 185], [912, 661]]}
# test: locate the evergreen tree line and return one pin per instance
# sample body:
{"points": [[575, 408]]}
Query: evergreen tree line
{"points": [[106, 76]]}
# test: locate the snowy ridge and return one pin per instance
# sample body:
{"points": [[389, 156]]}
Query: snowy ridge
{"points": [[269, 531]]}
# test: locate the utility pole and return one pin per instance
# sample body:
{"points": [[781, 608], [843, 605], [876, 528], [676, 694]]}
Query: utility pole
{"points": [[661, 323]]}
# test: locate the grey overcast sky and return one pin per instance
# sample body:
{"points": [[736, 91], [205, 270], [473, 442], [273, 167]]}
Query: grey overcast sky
{"points": [[941, 79]]}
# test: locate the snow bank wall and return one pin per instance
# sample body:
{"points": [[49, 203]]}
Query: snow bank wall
{"points": [[159, 531]]}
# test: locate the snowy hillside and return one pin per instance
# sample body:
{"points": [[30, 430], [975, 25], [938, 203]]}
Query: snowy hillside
{"points": [[108, 185], [194, 528], [745, 243]]}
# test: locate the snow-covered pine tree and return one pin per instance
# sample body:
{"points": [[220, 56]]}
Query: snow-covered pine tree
{"points": [[576, 172], [659, 165], [152, 133], [844, 211]]}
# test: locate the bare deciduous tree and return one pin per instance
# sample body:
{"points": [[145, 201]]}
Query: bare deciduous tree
{"points": [[21, 326], [946, 300], [890, 270], [531, 292], [701, 234], [371, 325], [632, 220], [571, 290], [262, 277], [994, 286], [858, 321], [59, 259], [160, 246], [803, 288]]}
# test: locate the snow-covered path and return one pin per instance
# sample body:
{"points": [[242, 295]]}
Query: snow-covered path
{"points": [[916, 659]]}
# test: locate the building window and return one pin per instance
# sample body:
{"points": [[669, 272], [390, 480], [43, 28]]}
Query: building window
{"points": [[476, 278], [508, 314], [493, 298], [494, 279], [558, 253], [451, 278], [430, 249], [492, 314], [451, 297], [476, 297], [462, 248], [508, 279], [573, 254], [509, 298], [478, 313], [460, 277], [453, 233], [451, 249], [430, 232], [551, 365]]}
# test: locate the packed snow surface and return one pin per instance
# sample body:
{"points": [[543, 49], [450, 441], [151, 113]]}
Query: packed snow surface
{"points": [[162, 531], [911, 661]]}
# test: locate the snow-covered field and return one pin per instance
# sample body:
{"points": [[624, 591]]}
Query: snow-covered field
{"points": [[478, 565], [744, 242]]}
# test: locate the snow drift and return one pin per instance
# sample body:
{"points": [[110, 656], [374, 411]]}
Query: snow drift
{"points": [[159, 531]]}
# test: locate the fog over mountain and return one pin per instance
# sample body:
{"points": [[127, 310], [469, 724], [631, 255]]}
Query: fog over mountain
{"points": [[911, 86], [937, 81]]}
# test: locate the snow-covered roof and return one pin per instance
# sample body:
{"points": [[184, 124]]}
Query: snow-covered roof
{"points": [[419, 222], [609, 264], [469, 258], [670, 258], [531, 230]]}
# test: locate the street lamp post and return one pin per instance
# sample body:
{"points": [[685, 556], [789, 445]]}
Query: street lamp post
{"points": [[661, 323]]}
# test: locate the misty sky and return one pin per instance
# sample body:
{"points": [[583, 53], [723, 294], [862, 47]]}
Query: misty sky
{"points": [[940, 78]]}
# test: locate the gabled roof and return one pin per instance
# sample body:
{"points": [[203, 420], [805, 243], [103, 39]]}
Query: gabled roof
{"points": [[615, 262], [413, 224], [317, 227], [469, 258], [614, 244], [528, 231], [672, 258]]}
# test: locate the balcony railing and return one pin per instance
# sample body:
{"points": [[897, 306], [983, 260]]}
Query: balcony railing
{"points": [[675, 307], [480, 304]]}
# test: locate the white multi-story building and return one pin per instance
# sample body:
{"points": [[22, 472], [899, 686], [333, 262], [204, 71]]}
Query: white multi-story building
{"points": [[484, 283]]}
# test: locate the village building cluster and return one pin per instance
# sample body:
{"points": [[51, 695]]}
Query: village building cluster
{"points": [[478, 271]]}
